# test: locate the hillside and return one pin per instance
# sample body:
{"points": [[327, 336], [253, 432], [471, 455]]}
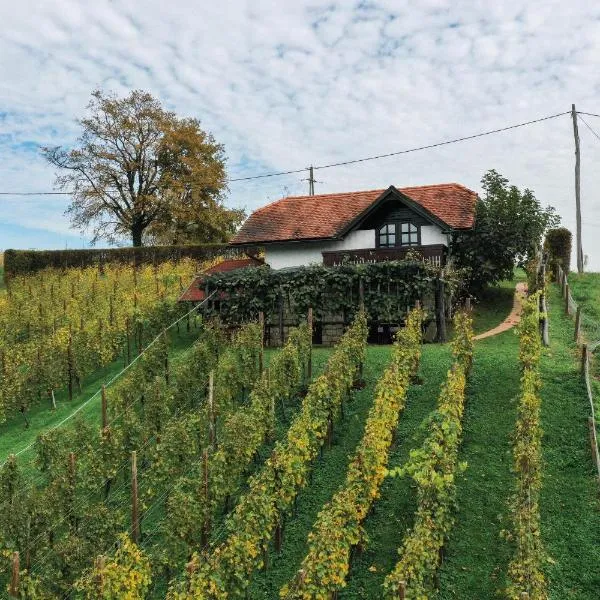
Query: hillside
{"points": [[477, 551]]}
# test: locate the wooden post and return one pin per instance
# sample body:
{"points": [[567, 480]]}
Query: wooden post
{"points": [[583, 358], [468, 304], [166, 356], [128, 341], [100, 565], [281, 333], [104, 409], [14, 580], [402, 590], [135, 516], [206, 524], [310, 328], [53, 399], [440, 312], [567, 299], [261, 357], [212, 419], [70, 365], [361, 294], [594, 446], [577, 189], [577, 324]]}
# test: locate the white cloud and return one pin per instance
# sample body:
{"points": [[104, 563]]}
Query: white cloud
{"points": [[284, 85]]}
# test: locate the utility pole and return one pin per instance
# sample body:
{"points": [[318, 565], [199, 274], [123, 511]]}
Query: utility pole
{"points": [[577, 190], [311, 181]]}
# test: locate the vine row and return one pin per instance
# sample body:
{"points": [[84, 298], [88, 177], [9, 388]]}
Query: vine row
{"points": [[225, 570], [434, 468], [338, 526], [525, 573]]}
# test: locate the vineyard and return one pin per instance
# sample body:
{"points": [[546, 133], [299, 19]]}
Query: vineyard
{"points": [[225, 470]]}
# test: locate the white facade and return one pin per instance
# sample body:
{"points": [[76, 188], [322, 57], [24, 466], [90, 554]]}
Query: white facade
{"points": [[301, 254]]}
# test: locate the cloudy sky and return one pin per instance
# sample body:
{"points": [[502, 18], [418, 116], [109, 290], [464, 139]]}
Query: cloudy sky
{"points": [[287, 84]]}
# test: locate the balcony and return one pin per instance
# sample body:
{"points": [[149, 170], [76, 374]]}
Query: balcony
{"points": [[434, 253]]}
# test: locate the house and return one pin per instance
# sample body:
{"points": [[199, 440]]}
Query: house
{"points": [[359, 227]]}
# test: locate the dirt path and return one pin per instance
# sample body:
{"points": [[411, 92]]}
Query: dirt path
{"points": [[513, 318]]}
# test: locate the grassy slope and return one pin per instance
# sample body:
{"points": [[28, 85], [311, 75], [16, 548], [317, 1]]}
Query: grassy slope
{"points": [[477, 555], [395, 508], [569, 502], [328, 474], [397, 502], [495, 304]]}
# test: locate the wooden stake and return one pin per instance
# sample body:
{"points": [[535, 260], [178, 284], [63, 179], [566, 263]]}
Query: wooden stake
{"points": [[583, 358], [100, 565], [53, 399], [310, 328], [468, 304], [14, 580], [261, 358], [577, 324], [594, 446], [104, 409], [402, 590], [567, 299], [361, 294], [70, 365], [577, 189], [281, 332], [206, 524], [135, 516], [211, 407]]}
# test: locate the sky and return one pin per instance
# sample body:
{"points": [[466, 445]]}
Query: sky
{"points": [[287, 84]]}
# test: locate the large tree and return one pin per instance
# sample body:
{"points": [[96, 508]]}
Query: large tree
{"points": [[509, 226], [139, 171]]}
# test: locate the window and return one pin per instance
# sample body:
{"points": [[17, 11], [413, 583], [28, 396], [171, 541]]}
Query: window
{"points": [[387, 235], [391, 235], [409, 234]]}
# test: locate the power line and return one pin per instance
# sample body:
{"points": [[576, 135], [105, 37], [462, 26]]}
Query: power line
{"points": [[352, 161], [587, 113], [588, 126], [445, 143]]}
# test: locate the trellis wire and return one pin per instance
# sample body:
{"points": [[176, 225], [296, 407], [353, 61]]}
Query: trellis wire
{"points": [[112, 380]]}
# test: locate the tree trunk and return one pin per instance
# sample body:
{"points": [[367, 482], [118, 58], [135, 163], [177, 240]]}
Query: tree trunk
{"points": [[136, 235]]}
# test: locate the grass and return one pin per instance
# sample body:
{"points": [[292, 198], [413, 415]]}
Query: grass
{"points": [[569, 501], [495, 304], [477, 554]]}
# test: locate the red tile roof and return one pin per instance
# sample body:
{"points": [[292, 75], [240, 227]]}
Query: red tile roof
{"points": [[328, 215], [195, 291]]}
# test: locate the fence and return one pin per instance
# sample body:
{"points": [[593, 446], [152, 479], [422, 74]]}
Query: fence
{"points": [[591, 327]]}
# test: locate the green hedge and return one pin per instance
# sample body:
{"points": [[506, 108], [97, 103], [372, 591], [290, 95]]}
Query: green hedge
{"points": [[388, 287], [23, 262]]}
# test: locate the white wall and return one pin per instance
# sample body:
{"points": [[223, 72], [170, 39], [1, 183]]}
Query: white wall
{"points": [[296, 254], [432, 234]]}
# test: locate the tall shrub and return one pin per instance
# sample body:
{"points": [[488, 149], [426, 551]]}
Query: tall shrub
{"points": [[558, 246]]}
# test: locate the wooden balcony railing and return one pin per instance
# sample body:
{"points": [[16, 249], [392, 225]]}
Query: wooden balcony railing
{"points": [[434, 253]]}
